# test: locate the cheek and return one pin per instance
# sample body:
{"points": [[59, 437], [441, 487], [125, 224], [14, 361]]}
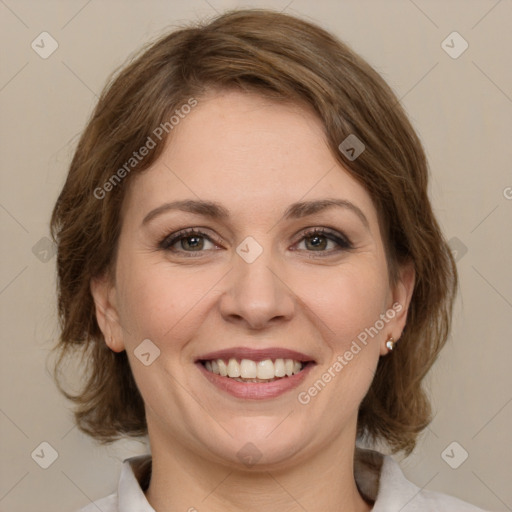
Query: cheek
{"points": [[159, 301], [347, 299]]}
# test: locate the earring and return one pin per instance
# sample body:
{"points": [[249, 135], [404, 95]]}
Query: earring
{"points": [[390, 343]]}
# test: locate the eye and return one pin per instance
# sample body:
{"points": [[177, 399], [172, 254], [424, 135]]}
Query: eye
{"points": [[188, 240], [318, 239]]}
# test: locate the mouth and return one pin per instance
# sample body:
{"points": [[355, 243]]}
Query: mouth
{"points": [[256, 374], [248, 370]]}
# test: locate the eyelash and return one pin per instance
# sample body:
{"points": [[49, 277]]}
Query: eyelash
{"points": [[340, 239]]}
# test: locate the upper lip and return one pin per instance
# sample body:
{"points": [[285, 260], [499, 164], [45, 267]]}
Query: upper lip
{"points": [[255, 354]]}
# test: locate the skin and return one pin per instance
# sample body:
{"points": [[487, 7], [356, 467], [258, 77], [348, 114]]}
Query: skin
{"points": [[255, 157]]}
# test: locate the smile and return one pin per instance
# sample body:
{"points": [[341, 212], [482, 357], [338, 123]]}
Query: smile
{"points": [[248, 370], [255, 374]]}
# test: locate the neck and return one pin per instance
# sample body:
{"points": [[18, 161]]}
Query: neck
{"points": [[184, 480]]}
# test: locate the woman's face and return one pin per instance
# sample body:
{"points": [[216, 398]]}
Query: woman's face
{"points": [[254, 282]]}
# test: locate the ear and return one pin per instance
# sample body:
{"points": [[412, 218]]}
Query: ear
{"points": [[104, 295], [401, 298]]}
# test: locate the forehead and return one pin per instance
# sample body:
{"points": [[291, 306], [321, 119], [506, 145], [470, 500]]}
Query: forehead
{"points": [[251, 153]]}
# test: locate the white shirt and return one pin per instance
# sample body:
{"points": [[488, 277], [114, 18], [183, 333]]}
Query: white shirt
{"points": [[388, 489]]}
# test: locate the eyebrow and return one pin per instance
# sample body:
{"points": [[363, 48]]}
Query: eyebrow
{"points": [[218, 212]]}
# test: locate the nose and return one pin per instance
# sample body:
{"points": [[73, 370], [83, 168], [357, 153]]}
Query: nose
{"points": [[256, 295]]}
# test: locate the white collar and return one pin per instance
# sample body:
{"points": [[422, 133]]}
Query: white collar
{"points": [[378, 477]]}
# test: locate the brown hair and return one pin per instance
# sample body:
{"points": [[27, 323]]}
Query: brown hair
{"points": [[285, 58]]}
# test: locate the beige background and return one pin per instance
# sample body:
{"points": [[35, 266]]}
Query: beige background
{"points": [[462, 109]]}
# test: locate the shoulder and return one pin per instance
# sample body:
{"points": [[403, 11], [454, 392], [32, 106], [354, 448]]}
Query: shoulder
{"points": [[399, 493], [380, 479], [108, 504], [135, 474], [436, 501]]}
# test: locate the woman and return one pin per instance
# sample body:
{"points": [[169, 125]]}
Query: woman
{"points": [[243, 236]]}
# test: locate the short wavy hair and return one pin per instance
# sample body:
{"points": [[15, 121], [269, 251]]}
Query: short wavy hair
{"points": [[287, 59]]}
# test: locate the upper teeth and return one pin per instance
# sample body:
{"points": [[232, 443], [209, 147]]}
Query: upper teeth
{"points": [[248, 369]]}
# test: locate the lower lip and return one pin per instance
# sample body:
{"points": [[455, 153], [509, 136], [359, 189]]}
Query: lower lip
{"points": [[256, 390]]}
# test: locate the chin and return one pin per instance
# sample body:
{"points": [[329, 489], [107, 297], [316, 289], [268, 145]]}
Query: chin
{"points": [[260, 446]]}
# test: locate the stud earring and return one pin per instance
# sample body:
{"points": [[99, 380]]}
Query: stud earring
{"points": [[390, 343]]}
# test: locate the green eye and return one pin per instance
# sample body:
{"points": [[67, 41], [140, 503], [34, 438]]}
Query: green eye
{"points": [[195, 241], [319, 239], [190, 240]]}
